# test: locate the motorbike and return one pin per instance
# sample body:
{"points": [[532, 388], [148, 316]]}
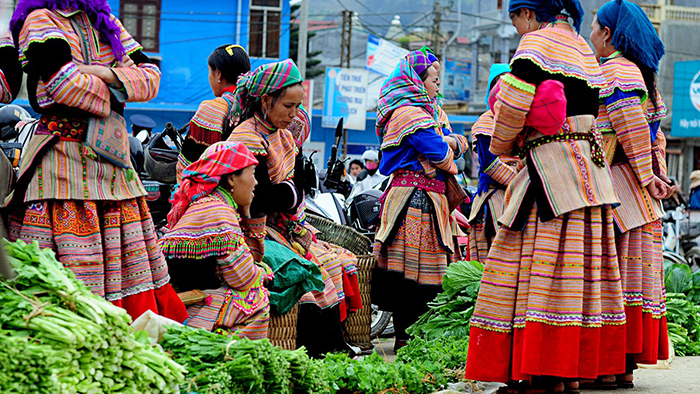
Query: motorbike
{"points": [[680, 238]]}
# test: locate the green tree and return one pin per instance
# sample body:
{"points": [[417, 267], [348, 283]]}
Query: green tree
{"points": [[312, 69]]}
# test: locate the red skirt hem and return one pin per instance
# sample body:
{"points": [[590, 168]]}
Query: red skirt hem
{"points": [[545, 350], [162, 301]]}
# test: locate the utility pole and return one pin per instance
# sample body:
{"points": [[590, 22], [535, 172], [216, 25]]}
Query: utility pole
{"points": [[435, 34], [303, 36], [345, 45]]}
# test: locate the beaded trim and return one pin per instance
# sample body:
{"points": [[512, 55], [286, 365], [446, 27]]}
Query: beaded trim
{"points": [[593, 136]]}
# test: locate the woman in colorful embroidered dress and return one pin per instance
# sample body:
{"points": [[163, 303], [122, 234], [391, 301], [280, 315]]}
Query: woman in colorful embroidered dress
{"points": [[631, 110], [274, 126], [81, 63], [206, 247], [550, 303], [10, 70], [495, 174], [225, 64], [414, 241]]}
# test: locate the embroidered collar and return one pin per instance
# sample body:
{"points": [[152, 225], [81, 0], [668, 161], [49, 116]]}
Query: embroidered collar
{"points": [[228, 89], [225, 196], [613, 55], [269, 127]]}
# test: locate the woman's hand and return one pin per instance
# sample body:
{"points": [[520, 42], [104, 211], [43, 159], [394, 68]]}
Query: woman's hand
{"points": [[102, 72], [658, 188], [451, 142], [126, 62], [671, 187]]}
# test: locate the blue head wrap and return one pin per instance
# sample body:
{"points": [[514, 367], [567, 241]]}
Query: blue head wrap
{"points": [[547, 10], [496, 70], [632, 32]]}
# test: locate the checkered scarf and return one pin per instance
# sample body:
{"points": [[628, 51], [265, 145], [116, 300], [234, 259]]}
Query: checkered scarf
{"points": [[203, 176], [404, 87], [265, 79]]}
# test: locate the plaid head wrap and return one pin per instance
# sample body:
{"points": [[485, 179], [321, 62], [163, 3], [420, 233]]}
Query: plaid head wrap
{"points": [[265, 79], [404, 87], [548, 10], [632, 32], [203, 176]]}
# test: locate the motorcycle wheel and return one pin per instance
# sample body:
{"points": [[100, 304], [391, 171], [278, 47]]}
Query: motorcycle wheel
{"points": [[674, 257], [380, 320], [692, 256]]}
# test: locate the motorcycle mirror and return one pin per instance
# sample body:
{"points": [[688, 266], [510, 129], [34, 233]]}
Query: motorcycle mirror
{"points": [[143, 136], [339, 129]]}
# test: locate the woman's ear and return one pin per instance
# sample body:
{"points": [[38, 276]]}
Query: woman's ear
{"points": [[229, 182], [608, 35], [266, 101]]}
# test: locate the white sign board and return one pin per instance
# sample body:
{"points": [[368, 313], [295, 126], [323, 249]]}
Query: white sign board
{"points": [[382, 55], [345, 97]]}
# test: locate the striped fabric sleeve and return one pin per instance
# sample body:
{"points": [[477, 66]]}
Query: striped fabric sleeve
{"points": [[72, 88], [141, 82], [630, 124], [513, 102], [238, 269], [433, 148], [462, 143], [255, 231], [5, 93], [659, 149], [501, 172]]}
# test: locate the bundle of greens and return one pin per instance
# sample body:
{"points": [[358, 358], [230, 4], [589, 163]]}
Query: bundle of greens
{"points": [[443, 358], [452, 309], [372, 374], [681, 279], [57, 337], [217, 364], [683, 319]]}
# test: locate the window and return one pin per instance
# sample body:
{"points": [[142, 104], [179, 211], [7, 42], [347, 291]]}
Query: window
{"points": [[141, 18], [499, 5], [265, 28]]}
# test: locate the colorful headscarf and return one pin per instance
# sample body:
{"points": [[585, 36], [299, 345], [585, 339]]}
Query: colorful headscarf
{"points": [[495, 70], [203, 176], [98, 11], [548, 10], [404, 87], [632, 32], [265, 79], [429, 53]]}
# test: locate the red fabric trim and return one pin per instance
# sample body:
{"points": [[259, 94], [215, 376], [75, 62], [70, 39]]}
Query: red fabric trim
{"points": [[647, 338], [163, 301], [545, 350], [228, 89]]}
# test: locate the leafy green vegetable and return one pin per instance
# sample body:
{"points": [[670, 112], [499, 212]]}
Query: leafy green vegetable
{"points": [[219, 364], [372, 374], [57, 337], [683, 324], [452, 309], [443, 358]]}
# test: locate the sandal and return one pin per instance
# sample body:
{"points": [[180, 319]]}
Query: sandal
{"points": [[625, 381], [571, 386], [607, 382], [545, 385]]}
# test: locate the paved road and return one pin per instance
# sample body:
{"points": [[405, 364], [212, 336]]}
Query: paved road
{"points": [[683, 376]]}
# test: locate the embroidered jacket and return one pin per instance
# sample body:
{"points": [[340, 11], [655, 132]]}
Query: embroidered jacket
{"points": [[211, 228], [634, 143], [50, 51], [560, 175]]}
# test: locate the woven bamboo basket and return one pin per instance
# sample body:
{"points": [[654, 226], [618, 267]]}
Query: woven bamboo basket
{"points": [[359, 324], [344, 236], [283, 329]]}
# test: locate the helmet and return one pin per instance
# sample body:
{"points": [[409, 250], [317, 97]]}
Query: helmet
{"points": [[160, 161], [372, 155], [364, 209], [9, 116]]}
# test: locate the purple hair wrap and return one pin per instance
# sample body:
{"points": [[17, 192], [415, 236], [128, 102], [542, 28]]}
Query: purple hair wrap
{"points": [[98, 12]]}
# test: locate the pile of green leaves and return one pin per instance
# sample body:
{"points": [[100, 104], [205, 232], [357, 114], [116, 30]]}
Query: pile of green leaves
{"points": [[57, 337], [451, 311], [217, 364], [372, 374], [683, 317], [443, 358], [681, 279]]}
